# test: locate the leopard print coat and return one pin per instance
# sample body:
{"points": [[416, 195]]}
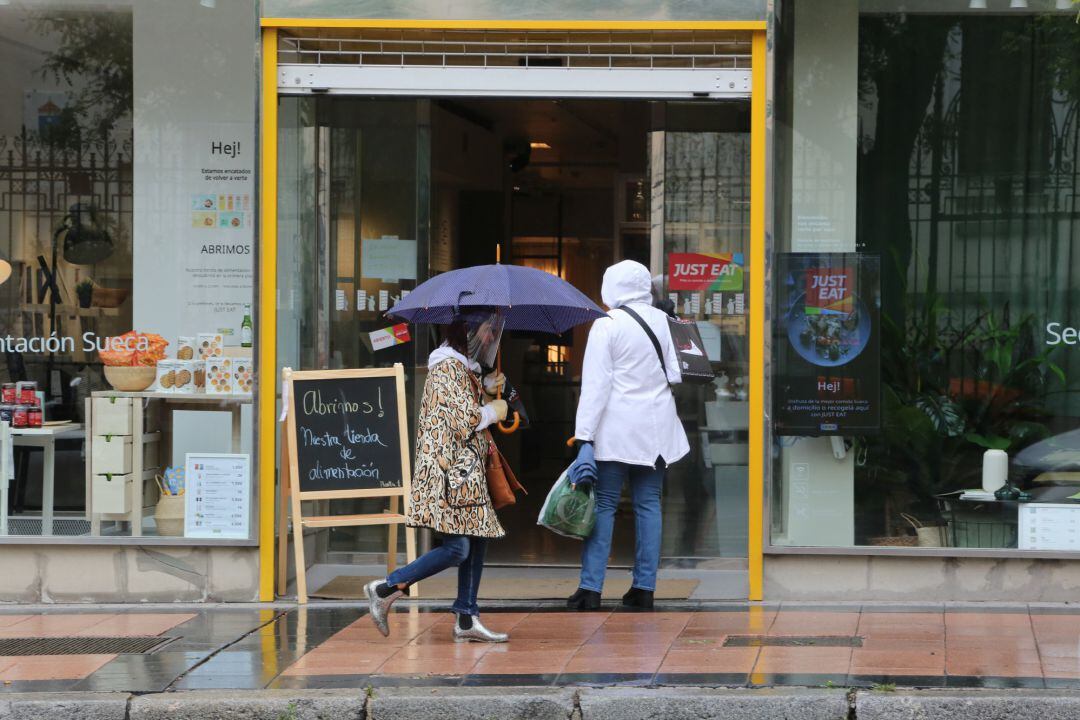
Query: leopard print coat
{"points": [[449, 489]]}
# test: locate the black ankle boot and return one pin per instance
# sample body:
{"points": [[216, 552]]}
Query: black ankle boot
{"points": [[638, 598], [584, 600]]}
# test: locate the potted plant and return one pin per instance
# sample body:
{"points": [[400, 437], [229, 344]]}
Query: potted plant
{"points": [[85, 292]]}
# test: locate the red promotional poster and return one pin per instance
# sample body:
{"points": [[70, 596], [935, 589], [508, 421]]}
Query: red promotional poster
{"points": [[830, 291], [716, 272]]}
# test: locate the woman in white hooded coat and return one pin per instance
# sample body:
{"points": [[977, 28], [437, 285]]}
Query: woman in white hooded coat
{"points": [[627, 429]]}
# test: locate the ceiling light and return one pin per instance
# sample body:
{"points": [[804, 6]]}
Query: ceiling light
{"points": [[1063, 5], [977, 5], [208, 3], [1018, 4], [539, 146]]}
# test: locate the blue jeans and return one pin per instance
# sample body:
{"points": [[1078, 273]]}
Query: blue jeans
{"points": [[467, 553], [645, 486]]}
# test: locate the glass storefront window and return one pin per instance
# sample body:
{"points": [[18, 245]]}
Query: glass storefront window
{"points": [[568, 187], [948, 155], [127, 155]]}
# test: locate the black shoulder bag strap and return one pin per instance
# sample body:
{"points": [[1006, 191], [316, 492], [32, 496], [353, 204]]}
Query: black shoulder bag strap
{"points": [[652, 336]]}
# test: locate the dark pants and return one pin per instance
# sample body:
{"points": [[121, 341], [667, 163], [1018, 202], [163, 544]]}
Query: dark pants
{"points": [[463, 551]]}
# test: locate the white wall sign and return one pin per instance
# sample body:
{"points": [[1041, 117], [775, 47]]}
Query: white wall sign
{"points": [[194, 162], [218, 496], [388, 259]]}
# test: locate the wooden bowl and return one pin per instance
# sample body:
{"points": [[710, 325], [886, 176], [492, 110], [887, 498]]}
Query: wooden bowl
{"points": [[108, 297], [130, 379]]}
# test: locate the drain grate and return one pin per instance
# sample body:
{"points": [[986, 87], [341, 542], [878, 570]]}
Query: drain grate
{"points": [[81, 645], [793, 641]]}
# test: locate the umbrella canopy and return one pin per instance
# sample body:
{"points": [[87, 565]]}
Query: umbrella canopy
{"points": [[530, 299]]}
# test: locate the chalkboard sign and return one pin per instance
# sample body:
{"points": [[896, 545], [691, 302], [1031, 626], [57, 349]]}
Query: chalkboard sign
{"points": [[345, 437], [347, 433]]}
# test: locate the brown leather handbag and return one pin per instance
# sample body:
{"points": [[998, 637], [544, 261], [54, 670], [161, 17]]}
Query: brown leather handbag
{"points": [[500, 478]]}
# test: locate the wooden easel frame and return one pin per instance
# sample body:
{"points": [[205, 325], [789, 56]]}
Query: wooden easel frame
{"points": [[392, 517]]}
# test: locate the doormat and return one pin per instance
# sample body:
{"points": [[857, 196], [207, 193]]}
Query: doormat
{"points": [[21, 647], [842, 641], [444, 587]]}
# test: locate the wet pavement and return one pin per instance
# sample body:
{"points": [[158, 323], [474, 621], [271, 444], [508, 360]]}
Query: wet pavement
{"points": [[334, 645]]}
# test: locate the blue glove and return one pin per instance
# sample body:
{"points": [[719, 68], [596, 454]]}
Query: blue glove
{"points": [[583, 470]]}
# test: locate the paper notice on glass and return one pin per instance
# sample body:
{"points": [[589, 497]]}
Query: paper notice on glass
{"points": [[361, 300], [341, 300], [695, 303], [1046, 526], [388, 259], [217, 496], [710, 337], [384, 300], [718, 303]]}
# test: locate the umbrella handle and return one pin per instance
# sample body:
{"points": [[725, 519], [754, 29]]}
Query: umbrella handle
{"points": [[513, 426]]}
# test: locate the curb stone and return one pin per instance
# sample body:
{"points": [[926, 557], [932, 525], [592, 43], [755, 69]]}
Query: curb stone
{"points": [[968, 705], [689, 703], [544, 703], [251, 705], [64, 706], [482, 703]]}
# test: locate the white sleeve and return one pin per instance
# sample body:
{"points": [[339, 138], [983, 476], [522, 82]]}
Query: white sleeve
{"points": [[596, 375], [671, 358], [487, 418]]}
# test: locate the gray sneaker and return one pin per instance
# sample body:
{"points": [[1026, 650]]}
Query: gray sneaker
{"points": [[478, 633], [379, 608]]}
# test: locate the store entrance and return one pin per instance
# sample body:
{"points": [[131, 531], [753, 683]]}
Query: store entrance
{"points": [[565, 186]]}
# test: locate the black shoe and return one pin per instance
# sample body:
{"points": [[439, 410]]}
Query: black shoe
{"points": [[584, 600], [638, 598]]}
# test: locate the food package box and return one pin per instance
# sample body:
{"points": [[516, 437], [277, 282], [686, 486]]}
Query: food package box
{"points": [[211, 345], [185, 376], [185, 348], [243, 375], [166, 376], [219, 376], [198, 375]]}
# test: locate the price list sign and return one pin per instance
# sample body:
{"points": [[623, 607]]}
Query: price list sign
{"points": [[218, 493]]}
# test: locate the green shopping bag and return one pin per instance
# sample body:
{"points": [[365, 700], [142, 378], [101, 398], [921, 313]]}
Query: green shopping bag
{"points": [[569, 511]]}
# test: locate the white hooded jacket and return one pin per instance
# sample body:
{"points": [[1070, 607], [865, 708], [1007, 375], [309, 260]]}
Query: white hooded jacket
{"points": [[626, 406]]}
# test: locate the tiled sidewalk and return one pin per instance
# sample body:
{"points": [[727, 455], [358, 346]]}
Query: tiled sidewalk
{"points": [[336, 645]]}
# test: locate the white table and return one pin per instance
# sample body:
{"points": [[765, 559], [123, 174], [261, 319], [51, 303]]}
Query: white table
{"points": [[45, 438]]}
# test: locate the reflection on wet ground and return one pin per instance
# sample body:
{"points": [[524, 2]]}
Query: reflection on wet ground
{"points": [[335, 645]]}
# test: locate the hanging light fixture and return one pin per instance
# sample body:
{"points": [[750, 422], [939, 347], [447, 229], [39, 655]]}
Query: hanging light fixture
{"points": [[208, 3], [1063, 5], [977, 5], [1018, 4]]}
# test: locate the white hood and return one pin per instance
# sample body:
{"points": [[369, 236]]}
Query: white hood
{"points": [[445, 352], [626, 282]]}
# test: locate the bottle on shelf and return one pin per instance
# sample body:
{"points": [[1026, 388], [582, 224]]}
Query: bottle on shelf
{"points": [[246, 327]]}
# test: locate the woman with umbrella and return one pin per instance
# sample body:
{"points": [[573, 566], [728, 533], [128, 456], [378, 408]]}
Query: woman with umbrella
{"points": [[449, 488]]}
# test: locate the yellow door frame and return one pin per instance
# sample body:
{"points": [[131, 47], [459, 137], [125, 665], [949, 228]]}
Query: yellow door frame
{"points": [[267, 342]]}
